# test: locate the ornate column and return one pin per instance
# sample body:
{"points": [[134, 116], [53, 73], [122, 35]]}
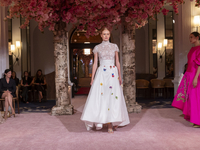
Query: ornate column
{"points": [[128, 57], [63, 104]]}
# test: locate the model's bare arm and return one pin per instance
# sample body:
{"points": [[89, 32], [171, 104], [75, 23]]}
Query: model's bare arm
{"points": [[118, 66], [94, 67], [196, 77]]}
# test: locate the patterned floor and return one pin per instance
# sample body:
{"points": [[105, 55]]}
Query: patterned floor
{"points": [[45, 106], [155, 103], [36, 107]]}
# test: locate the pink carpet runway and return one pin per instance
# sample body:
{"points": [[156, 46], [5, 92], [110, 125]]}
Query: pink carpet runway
{"points": [[152, 129]]}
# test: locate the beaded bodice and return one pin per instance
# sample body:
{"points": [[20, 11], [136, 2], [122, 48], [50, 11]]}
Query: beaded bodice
{"points": [[106, 50]]}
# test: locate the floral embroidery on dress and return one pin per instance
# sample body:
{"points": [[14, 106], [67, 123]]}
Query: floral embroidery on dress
{"points": [[113, 66], [111, 93], [110, 87], [101, 93], [110, 67], [116, 97], [113, 75], [183, 95], [104, 69], [108, 109], [101, 84]]}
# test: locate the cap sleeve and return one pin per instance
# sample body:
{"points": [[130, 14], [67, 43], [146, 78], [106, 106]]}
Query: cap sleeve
{"points": [[197, 60], [116, 48], [95, 50]]}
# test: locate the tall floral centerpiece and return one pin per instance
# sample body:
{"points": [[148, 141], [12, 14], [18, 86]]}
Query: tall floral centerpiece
{"points": [[90, 15]]}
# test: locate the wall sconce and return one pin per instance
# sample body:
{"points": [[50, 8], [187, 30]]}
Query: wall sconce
{"points": [[160, 48], [196, 22], [12, 48], [18, 44], [165, 42], [87, 51], [12, 51]]}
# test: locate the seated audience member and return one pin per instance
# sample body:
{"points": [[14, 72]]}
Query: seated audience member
{"points": [[14, 77], [26, 86], [8, 91], [40, 82]]}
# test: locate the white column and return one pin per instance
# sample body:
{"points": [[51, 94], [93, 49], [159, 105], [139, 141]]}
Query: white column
{"points": [[160, 38], [182, 44], [16, 36], [4, 59]]}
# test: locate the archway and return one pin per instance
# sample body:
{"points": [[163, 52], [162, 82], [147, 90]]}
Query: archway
{"points": [[81, 60]]}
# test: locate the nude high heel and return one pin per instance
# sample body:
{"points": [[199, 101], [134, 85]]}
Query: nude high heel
{"points": [[110, 129]]}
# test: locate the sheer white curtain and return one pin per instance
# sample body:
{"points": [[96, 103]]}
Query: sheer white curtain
{"points": [[4, 58]]}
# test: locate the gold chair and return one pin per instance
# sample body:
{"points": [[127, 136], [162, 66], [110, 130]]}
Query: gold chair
{"points": [[142, 84], [158, 84], [13, 101], [16, 99], [168, 85]]}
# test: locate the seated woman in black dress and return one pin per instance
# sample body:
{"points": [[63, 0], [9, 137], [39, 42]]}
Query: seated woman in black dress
{"points": [[8, 91], [40, 82], [14, 77], [26, 86]]}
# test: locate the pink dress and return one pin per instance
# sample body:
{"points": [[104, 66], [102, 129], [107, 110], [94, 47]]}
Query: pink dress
{"points": [[187, 97]]}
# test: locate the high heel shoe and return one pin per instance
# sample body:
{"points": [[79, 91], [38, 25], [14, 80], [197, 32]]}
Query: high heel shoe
{"points": [[196, 126], [5, 117], [13, 114], [115, 127], [110, 128]]}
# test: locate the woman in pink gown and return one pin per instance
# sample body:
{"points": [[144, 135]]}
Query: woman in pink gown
{"points": [[187, 97]]}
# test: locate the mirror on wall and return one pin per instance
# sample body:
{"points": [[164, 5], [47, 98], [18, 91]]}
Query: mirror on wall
{"points": [[152, 46], [25, 48], [9, 43], [169, 49]]}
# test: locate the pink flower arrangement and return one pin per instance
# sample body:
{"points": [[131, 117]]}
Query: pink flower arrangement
{"points": [[90, 15]]}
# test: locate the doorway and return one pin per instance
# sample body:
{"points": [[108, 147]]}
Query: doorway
{"points": [[81, 60]]}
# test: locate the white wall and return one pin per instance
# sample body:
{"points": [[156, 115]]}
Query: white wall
{"points": [[4, 59], [16, 36], [160, 38], [182, 44], [42, 49]]}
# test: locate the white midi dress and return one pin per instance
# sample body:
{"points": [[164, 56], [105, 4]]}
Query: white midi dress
{"points": [[105, 102]]}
